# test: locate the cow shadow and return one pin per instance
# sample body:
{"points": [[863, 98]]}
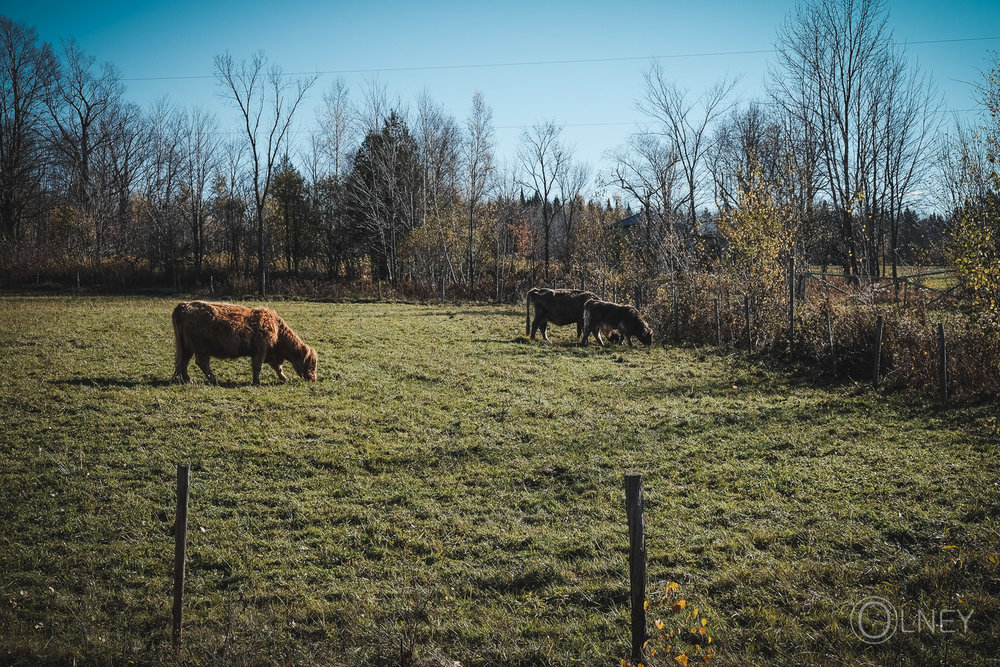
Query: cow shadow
{"points": [[107, 383], [132, 383], [444, 311], [562, 347]]}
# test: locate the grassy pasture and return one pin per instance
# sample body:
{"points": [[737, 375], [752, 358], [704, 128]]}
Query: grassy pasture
{"points": [[448, 491]]}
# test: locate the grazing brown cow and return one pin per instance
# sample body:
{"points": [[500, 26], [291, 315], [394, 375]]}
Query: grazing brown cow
{"points": [[227, 331], [603, 316], [559, 306]]}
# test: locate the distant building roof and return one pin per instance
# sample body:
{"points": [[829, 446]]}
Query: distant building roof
{"points": [[630, 221]]}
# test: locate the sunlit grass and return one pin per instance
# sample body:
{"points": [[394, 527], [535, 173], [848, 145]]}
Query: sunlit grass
{"points": [[449, 491]]}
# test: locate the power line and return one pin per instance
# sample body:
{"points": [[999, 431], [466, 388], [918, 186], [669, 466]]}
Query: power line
{"points": [[633, 123], [534, 63]]}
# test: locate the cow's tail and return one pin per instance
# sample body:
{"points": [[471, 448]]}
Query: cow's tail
{"points": [[527, 311], [586, 318]]}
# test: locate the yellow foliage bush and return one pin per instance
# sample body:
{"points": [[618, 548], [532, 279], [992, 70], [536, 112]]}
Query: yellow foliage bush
{"points": [[758, 233], [973, 248]]}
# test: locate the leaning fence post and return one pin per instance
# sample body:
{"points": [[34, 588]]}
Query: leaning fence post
{"points": [[791, 301], [746, 314], [829, 328], [180, 546], [718, 325], [877, 351], [942, 364], [636, 562]]}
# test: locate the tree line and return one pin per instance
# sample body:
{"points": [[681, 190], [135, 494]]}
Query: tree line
{"points": [[830, 166]]}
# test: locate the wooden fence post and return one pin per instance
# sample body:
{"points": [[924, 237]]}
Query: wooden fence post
{"points": [[180, 546], [746, 314], [829, 328], [942, 364], [636, 562], [791, 301], [718, 325], [876, 369], [677, 319]]}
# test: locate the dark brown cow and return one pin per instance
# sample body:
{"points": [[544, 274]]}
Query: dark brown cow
{"points": [[603, 316], [559, 306], [227, 331]]}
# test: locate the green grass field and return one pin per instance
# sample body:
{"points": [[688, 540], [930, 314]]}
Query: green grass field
{"points": [[451, 492]]}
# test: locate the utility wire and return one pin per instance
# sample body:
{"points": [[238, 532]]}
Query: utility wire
{"points": [[533, 63]]}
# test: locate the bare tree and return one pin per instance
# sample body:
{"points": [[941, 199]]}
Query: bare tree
{"points": [[201, 150], [904, 141], [647, 171], [336, 141], [509, 216], [543, 160], [267, 101], [125, 154], [685, 124], [965, 167], [831, 55], [337, 127], [746, 147], [83, 97], [29, 72], [377, 105], [161, 186], [571, 186], [439, 142], [479, 167], [229, 200], [838, 75]]}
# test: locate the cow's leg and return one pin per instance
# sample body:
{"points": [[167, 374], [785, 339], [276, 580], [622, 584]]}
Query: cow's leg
{"points": [[181, 366], [256, 363], [545, 331], [536, 324], [203, 363], [579, 329], [597, 335], [281, 373]]}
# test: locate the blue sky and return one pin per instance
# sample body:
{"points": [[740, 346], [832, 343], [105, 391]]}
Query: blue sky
{"points": [[594, 100]]}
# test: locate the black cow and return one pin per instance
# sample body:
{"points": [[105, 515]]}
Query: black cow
{"points": [[559, 306], [604, 316]]}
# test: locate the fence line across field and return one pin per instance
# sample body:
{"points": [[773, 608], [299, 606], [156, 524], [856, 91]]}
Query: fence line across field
{"points": [[794, 298]]}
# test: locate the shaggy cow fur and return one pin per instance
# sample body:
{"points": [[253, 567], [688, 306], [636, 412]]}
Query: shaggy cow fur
{"points": [[227, 331], [559, 306], [603, 316]]}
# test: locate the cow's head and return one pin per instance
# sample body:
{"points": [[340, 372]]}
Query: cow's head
{"points": [[646, 335], [306, 367]]}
